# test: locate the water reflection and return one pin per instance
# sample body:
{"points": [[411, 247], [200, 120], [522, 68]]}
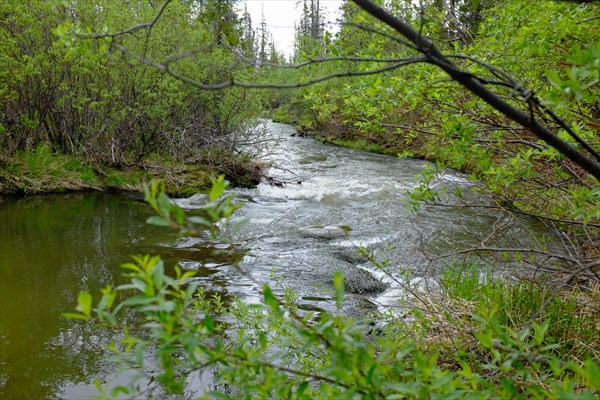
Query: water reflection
{"points": [[51, 248]]}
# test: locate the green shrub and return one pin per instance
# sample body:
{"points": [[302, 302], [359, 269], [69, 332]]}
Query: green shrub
{"points": [[273, 350]]}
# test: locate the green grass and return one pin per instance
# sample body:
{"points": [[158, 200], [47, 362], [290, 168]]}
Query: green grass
{"points": [[88, 175], [73, 164], [517, 303], [38, 161], [45, 171], [114, 179]]}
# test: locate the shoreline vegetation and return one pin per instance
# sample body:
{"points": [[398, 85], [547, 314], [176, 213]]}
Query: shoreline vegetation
{"points": [[477, 336], [42, 171]]}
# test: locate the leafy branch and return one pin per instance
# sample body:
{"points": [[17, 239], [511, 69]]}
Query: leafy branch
{"points": [[164, 67], [476, 86], [430, 54]]}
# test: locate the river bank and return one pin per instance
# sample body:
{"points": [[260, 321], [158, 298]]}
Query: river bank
{"points": [[44, 171], [560, 195]]}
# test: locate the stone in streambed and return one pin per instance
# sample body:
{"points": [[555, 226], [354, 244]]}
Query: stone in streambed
{"points": [[326, 232], [360, 281]]}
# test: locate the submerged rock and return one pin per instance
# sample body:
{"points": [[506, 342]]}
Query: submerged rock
{"points": [[360, 281], [326, 232]]}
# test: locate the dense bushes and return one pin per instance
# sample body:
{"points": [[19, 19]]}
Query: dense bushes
{"points": [[416, 111], [108, 109]]}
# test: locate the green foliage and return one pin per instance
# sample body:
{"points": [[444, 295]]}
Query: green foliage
{"points": [[218, 209], [425, 192], [272, 350], [79, 96], [582, 79], [414, 110]]}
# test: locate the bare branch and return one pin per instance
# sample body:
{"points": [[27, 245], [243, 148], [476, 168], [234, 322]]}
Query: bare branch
{"points": [[507, 250], [495, 70], [249, 85], [380, 33], [310, 61], [538, 216], [568, 129]]}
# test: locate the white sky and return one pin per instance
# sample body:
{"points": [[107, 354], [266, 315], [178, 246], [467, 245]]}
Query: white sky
{"points": [[280, 16]]}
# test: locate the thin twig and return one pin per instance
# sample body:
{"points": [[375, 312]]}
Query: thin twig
{"points": [[232, 83]]}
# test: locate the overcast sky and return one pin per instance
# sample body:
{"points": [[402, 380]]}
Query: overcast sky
{"points": [[280, 16]]}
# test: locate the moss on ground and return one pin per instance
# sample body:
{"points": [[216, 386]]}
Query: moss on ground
{"points": [[43, 171]]}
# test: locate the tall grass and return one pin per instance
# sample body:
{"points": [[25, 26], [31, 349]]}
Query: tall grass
{"points": [[38, 161], [574, 322]]}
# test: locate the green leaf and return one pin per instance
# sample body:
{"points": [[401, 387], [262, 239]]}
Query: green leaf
{"points": [[301, 389], [84, 303], [262, 339], [119, 390], [591, 372], [164, 203], [540, 332], [270, 299], [75, 316], [156, 220], [138, 301], [158, 274], [209, 323], [200, 221], [167, 306], [179, 215], [218, 187], [108, 298], [338, 285], [138, 353]]}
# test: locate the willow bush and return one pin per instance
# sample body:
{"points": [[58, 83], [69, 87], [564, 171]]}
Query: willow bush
{"points": [[107, 109], [549, 46]]}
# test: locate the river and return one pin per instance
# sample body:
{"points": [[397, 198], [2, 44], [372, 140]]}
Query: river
{"points": [[333, 200]]}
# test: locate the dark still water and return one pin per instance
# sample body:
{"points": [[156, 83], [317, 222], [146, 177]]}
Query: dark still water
{"points": [[51, 248]]}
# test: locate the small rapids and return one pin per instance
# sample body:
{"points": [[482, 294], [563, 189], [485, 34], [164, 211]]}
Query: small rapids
{"points": [[333, 201]]}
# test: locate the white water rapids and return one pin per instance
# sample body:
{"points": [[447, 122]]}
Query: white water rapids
{"points": [[333, 201]]}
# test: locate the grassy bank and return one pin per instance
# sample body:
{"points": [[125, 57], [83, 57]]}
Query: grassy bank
{"points": [[518, 339], [45, 171]]}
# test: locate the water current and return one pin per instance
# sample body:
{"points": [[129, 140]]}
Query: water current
{"points": [[328, 201]]}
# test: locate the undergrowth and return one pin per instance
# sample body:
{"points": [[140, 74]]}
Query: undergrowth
{"points": [[571, 314], [479, 336]]}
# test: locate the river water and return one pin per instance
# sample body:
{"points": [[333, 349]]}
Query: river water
{"points": [[333, 200]]}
